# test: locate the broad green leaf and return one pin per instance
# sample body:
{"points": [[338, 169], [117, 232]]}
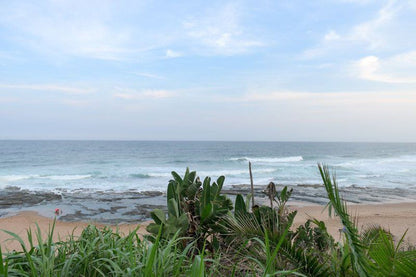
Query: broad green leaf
{"points": [[240, 206], [158, 216], [220, 182], [207, 212], [173, 208]]}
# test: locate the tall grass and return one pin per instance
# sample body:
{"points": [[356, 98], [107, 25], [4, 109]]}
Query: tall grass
{"points": [[100, 252]]}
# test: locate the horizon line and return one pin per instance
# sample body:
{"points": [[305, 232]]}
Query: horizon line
{"points": [[197, 140]]}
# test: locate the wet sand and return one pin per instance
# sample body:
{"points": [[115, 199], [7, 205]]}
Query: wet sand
{"points": [[396, 217]]}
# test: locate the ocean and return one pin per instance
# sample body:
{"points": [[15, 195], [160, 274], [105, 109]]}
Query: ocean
{"points": [[123, 170]]}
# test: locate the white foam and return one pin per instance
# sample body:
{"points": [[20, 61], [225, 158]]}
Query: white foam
{"points": [[270, 160], [369, 176], [160, 174], [12, 178], [229, 172], [66, 177], [377, 162], [234, 172]]}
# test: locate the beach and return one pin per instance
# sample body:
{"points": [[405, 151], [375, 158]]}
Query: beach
{"points": [[20, 223], [396, 217], [393, 217]]}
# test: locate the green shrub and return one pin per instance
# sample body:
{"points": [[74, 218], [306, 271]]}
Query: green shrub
{"points": [[195, 209]]}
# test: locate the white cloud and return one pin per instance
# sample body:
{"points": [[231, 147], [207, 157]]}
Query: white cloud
{"points": [[172, 54], [110, 30], [396, 69], [276, 96], [361, 2], [371, 32], [158, 93], [79, 28], [132, 94], [221, 32], [48, 87], [148, 75], [378, 33], [331, 35], [322, 99]]}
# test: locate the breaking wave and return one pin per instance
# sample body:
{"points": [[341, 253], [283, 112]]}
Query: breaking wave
{"points": [[270, 160]]}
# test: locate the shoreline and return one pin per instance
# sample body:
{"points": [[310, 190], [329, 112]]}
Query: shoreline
{"points": [[396, 217], [113, 207]]}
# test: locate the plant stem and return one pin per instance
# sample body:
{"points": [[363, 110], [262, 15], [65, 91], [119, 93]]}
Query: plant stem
{"points": [[252, 185]]}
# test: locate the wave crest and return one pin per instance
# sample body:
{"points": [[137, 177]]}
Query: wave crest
{"points": [[66, 177], [12, 178], [270, 160]]}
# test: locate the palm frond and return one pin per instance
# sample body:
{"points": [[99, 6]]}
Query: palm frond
{"points": [[304, 262], [389, 259], [359, 260]]}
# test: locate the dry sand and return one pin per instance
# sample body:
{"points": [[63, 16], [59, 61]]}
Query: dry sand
{"points": [[20, 223], [397, 218]]}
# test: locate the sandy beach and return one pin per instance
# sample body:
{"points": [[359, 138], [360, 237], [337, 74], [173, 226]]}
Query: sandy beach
{"points": [[396, 217], [21, 222]]}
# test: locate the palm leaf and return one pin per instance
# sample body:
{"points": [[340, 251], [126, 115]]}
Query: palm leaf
{"points": [[389, 259], [304, 262], [359, 260]]}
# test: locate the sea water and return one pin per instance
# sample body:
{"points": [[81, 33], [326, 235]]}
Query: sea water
{"points": [[147, 165]]}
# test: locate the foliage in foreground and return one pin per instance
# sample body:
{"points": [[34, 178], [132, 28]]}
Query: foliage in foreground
{"points": [[101, 252], [203, 234]]}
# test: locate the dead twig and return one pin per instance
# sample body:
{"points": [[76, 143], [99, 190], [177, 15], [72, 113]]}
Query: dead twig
{"points": [[252, 185]]}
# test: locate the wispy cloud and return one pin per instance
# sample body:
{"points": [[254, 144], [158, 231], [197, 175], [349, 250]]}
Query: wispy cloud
{"points": [[132, 94], [326, 98], [360, 2], [400, 69], [47, 87], [148, 75], [113, 31], [331, 35], [172, 54], [221, 32], [373, 34], [78, 28]]}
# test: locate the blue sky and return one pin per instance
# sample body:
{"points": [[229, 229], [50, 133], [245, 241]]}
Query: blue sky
{"points": [[333, 70]]}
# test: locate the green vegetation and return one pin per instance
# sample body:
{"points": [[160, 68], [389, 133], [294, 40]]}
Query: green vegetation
{"points": [[203, 234]]}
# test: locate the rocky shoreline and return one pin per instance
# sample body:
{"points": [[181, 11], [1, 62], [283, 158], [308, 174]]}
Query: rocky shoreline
{"points": [[111, 207]]}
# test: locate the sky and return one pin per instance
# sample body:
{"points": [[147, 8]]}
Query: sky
{"points": [[323, 70]]}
